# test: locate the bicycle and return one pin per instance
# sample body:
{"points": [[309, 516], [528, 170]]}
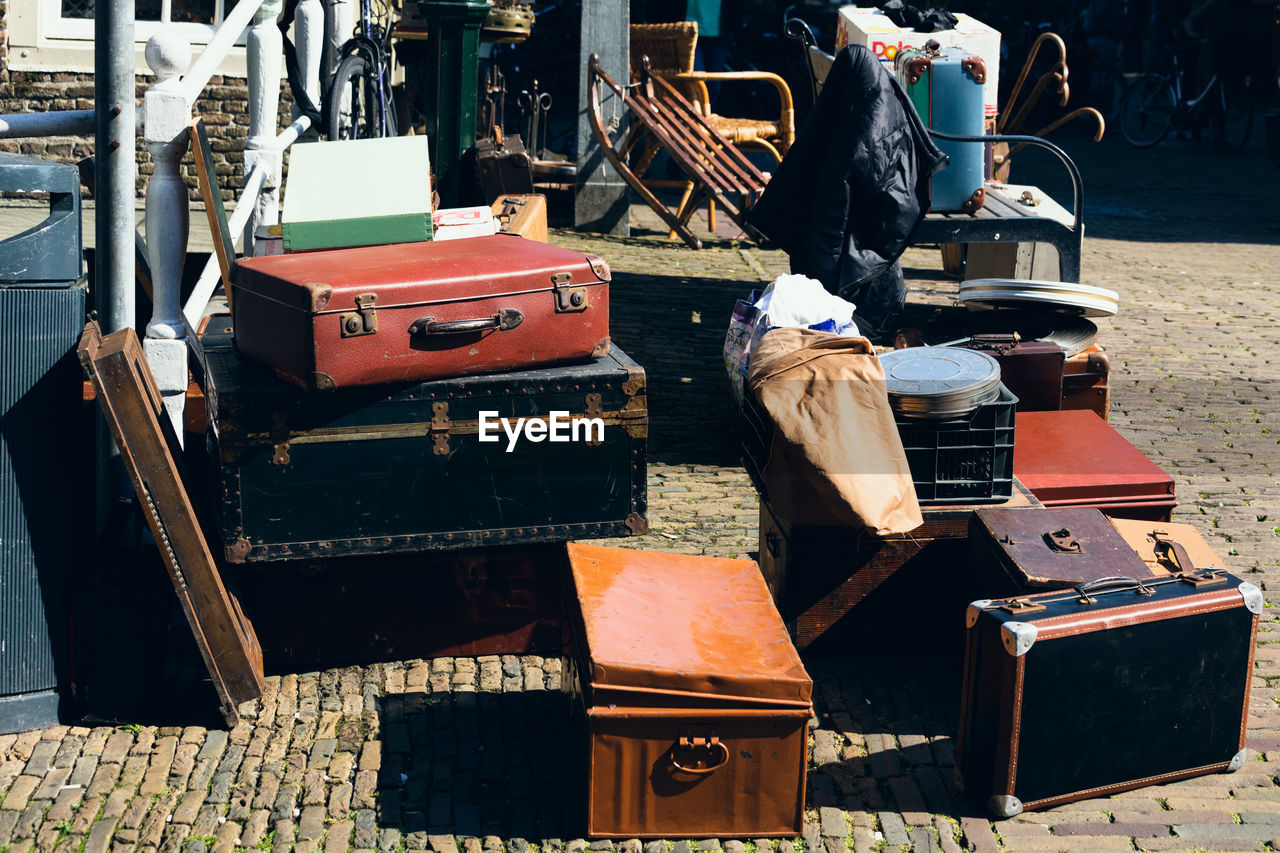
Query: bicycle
{"points": [[1155, 104], [358, 98]]}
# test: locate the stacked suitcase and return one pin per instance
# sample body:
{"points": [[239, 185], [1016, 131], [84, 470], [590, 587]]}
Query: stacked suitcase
{"points": [[441, 409], [355, 435]]}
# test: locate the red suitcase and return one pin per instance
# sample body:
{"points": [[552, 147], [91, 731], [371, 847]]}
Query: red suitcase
{"points": [[419, 311], [1076, 459]]}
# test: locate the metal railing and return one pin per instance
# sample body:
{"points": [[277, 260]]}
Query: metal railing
{"points": [[165, 114]]}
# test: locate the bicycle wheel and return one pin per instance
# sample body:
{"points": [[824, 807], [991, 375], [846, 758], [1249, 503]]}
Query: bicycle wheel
{"points": [[353, 100], [1234, 121], [1148, 111]]}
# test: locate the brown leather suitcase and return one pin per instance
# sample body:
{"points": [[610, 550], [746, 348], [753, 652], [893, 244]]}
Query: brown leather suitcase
{"points": [[833, 583], [1031, 370], [418, 311], [1086, 382], [1079, 694], [1075, 459], [1052, 548], [692, 704], [503, 166], [1158, 543], [522, 215]]}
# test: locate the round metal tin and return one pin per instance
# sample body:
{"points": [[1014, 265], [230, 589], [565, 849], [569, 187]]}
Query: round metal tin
{"points": [[939, 382], [1064, 296]]}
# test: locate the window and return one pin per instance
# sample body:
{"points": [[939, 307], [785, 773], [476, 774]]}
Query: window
{"points": [[57, 35]]}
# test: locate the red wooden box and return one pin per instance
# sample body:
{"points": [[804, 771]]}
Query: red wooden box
{"points": [[418, 311], [1076, 459]]}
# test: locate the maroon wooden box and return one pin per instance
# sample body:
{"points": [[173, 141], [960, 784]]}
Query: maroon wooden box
{"points": [[1076, 459], [418, 311]]}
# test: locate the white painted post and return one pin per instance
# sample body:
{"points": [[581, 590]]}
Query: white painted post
{"points": [[309, 35], [167, 112], [264, 53], [340, 25]]}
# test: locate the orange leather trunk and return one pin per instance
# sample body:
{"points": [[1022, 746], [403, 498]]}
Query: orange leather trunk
{"points": [[692, 703]]}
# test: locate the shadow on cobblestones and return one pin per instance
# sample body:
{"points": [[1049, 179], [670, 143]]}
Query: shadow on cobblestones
{"points": [[886, 731], [1176, 192], [479, 763], [675, 326]]}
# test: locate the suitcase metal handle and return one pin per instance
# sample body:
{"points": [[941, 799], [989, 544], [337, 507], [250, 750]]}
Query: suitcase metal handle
{"points": [[504, 321], [1117, 582], [712, 743]]}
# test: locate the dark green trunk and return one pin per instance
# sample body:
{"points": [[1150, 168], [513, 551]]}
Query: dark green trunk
{"points": [[394, 469]]}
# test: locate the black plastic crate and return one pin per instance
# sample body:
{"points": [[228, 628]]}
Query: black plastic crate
{"points": [[962, 460], [956, 461]]}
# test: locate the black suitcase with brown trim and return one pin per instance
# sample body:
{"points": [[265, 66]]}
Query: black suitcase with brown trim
{"points": [[1114, 685]]}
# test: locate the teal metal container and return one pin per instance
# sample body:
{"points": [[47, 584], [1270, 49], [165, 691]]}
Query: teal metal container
{"points": [[945, 86]]}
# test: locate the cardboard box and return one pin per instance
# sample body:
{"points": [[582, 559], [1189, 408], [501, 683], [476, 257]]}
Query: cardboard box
{"points": [[456, 223], [360, 192], [872, 28]]}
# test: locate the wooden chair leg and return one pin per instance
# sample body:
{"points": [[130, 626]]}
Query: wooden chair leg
{"points": [[683, 215], [711, 214]]}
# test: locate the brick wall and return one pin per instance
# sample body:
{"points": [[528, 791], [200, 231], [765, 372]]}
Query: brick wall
{"points": [[224, 106]]}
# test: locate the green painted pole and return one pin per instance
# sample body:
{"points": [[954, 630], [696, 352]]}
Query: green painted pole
{"points": [[454, 44]]}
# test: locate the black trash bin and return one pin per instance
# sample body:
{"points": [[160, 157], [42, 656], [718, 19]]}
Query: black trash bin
{"points": [[45, 452]]}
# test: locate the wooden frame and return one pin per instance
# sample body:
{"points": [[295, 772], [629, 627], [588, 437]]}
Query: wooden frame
{"points": [[132, 406], [223, 244], [664, 119]]}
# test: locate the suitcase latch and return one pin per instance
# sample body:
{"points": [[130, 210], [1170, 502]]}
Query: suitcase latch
{"points": [[569, 299], [1063, 542], [1020, 606], [1204, 577], [363, 321]]}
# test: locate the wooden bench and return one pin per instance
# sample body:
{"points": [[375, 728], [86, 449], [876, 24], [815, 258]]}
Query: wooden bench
{"points": [[1005, 218]]}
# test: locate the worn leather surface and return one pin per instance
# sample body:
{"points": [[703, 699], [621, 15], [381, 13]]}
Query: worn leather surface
{"points": [[1141, 537], [836, 446], [289, 310], [673, 622], [1021, 541]]}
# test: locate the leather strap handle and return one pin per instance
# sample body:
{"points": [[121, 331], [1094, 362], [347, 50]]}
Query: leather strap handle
{"points": [[712, 744], [1167, 549], [504, 321]]}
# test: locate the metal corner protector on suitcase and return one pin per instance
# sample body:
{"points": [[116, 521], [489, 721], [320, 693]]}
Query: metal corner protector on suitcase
{"points": [[1117, 684]]}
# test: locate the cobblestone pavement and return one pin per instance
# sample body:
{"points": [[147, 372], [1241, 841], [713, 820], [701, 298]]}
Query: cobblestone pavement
{"points": [[469, 753]]}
